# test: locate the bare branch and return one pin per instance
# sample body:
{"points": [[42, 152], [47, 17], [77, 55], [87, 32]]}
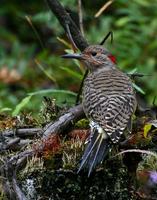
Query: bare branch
{"points": [[64, 122], [80, 16], [65, 19], [10, 144], [23, 132], [103, 8], [71, 38]]}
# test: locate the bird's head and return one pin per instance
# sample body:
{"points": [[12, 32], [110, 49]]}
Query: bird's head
{"points": [[94, 57]]}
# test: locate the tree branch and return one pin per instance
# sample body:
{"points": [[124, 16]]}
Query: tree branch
{"points": [[65, 19], [23, 132], [64, 122]]}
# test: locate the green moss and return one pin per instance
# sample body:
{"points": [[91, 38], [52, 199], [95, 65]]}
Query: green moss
{"points": [[83, 123]]}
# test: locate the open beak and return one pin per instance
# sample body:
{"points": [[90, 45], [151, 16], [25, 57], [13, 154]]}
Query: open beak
{"points": [[74, 56]]}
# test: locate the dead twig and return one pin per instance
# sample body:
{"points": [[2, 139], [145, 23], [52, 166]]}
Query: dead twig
{"points": [[80, 16], [74, 47], [23, 132], [10, 144], [110, 33], [103, 8], [9, 181]]}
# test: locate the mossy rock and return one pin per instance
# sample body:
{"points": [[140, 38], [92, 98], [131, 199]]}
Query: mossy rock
{"points": [[103, 184]]}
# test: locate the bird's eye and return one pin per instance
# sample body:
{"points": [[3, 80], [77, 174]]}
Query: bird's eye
{"points": [[94, 53]]}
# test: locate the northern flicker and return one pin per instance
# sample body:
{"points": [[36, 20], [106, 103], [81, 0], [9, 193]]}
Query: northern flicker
{"points": [[108, 102]]}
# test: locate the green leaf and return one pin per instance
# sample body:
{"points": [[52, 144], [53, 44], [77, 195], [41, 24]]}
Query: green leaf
{"points": [[5, 109], [21, 105], [52, 91], [133, 71], [25, 101], [72, 72], [45, 72], [122, 21], [144, 3], [147, 128], [138, 88], [64, 42]]}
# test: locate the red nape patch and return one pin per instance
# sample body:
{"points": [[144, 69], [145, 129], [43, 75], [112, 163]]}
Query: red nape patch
{"points": [[112, 58]]}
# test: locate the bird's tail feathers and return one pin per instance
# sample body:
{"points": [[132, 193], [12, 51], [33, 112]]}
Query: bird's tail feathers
{"points": [[95, 152]]}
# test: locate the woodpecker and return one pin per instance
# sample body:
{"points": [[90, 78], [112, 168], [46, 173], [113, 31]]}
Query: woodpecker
{"points": [[109, 102]]}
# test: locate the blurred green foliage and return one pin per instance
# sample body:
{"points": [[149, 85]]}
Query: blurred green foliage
{"points": [[134, 24]]}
